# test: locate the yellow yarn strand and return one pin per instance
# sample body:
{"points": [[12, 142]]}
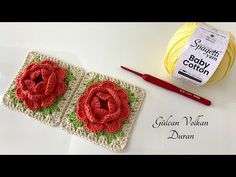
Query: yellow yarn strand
{"points": [[180, 39]]}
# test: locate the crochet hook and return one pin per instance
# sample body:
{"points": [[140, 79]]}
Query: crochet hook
{"points": [[169, 86]]}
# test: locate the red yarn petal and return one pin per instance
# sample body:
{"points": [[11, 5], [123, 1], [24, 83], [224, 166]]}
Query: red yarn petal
{"points": [[27, 82], [35, 74], [37, 97], [103, 96], [33, 68], [51, 84], [18, 80], [30, 66], [125, 112], [113, 127], [61, 74], [95, 103], [26, 74], [91, 87], [114, 96], [123, 95], [89, 114], [100, 113], [48, 101], [93, 127], [45, 74], [31, 104], [60, 88], [80, 113], [111, 116], [20, 94], [92, 93], [111, 105], [40, 88], [29, 85], [108, 84]]}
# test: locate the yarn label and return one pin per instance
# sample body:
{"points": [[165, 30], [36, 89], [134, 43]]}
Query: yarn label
{"points": [[201, 55]]}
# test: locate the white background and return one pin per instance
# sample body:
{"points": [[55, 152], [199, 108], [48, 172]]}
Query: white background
{"points": [[103, 47]]}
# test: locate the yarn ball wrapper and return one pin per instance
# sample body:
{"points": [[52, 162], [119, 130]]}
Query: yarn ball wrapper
{"points": [[103, 107], [180, 39], [40, 84]]}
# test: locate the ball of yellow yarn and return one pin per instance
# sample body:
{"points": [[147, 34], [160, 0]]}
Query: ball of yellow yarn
{"points": [[180, 39]]}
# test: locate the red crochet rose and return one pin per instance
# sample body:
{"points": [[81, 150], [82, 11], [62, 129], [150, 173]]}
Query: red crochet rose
{"points": [[104, 106], [40, 84]]}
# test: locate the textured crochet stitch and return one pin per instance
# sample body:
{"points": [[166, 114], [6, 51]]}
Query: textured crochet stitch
{"points": [[40, 84], [103, 107]]}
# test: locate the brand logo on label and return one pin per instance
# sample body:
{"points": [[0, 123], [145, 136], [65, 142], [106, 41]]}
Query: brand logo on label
{"points": [[208, 52]]}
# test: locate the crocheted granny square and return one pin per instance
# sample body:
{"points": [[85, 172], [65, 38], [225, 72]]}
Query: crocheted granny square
{"points": [[43, 88], [103, 110]]}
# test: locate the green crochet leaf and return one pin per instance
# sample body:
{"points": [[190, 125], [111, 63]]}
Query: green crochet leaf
{"points": [[132, 97], [126, 121], [77, 123], [69, 77], [37, 58]]}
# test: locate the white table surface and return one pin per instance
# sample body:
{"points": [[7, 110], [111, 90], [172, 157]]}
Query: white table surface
{"points": [[103, 47]]}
